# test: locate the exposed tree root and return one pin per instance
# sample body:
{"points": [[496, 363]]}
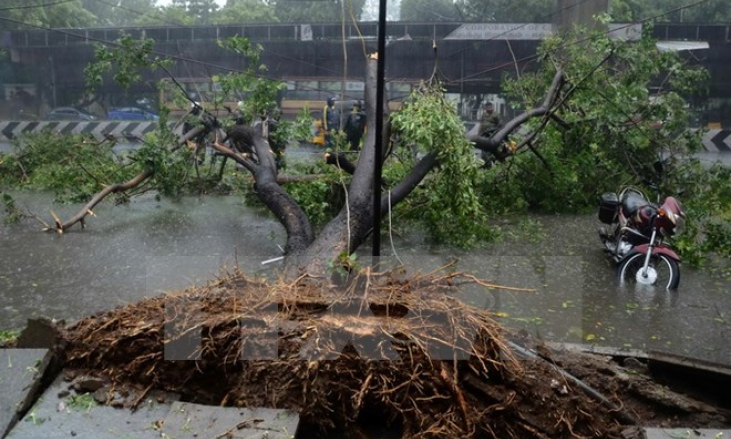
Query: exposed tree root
{"points": [[400, 349]]}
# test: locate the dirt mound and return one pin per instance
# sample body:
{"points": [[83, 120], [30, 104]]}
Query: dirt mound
{"points": [[399, 351]]}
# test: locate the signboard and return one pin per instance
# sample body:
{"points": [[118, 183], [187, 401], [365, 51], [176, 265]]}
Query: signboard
{"points": [[305, 32], [530, 31], [625, 31], [501, 31]]}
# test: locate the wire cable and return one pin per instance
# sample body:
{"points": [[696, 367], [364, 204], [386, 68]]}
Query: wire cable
{"points": [[580, 41], [42, 5]]}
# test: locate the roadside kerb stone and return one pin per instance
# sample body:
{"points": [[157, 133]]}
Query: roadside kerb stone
{"points": [[21, 372]]}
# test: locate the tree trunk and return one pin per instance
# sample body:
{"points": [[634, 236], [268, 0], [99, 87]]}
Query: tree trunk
{"points": [[342, 235]]}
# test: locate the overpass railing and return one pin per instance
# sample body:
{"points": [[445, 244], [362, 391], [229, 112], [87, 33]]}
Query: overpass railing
{"points": [[299, 32]]}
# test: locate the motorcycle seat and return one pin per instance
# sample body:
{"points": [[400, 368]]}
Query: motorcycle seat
{"points": [[631, 202]]}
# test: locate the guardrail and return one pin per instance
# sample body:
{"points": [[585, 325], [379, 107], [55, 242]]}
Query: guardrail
{"points": [[128, 131], [715, 140], [712, 32]]}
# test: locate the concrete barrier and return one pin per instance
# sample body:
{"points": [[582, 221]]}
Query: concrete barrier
{"points": [[715, 140], [127, 130]]}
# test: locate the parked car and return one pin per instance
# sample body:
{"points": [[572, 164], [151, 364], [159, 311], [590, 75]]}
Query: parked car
{"points": [[68, 113], [130, 113]]}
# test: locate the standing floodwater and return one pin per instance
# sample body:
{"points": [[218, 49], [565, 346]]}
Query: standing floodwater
{"points": [[151, 246]]}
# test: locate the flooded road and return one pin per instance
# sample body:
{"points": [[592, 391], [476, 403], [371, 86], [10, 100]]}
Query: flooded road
{"points": [[150, 246]]}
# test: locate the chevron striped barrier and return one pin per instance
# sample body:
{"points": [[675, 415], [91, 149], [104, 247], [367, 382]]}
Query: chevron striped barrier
{"points": [[717, 141], [127, 131]]}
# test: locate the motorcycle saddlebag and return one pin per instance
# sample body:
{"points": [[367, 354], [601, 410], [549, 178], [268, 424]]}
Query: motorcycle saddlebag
{"points": [[608, 207]]}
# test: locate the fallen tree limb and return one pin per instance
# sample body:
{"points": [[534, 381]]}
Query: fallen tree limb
{"points": [[135, 181], [96, 199]]}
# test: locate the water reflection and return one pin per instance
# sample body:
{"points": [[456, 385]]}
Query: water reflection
{"points": [[151, 246]]}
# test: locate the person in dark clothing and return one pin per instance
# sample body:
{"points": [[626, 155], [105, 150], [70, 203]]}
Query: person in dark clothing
{"points": [[490, 121], [355, 126], [330, 120]]}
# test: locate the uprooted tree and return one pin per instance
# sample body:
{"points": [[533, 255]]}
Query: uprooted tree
{"points": [[589, 123], [449, 371]]}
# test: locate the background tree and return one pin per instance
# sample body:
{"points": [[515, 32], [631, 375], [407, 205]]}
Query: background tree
{"points": [[44, 14], [710, 11], [428, 10], [505, 11], [168, 15], [246, 11], [202, 10], [110, 13], [310, 11]]}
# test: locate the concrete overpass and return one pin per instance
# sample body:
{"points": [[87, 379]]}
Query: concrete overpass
{"points": [[472, 57]]}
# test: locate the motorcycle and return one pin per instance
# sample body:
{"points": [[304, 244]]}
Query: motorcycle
{"points": [[636, 232]]}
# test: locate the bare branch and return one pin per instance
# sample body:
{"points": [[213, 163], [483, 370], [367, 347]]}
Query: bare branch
{"points": [[493, 143], [61, 227], [96, 199]]}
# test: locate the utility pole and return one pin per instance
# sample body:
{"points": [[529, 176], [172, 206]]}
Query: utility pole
{"points": [[378, 168]]}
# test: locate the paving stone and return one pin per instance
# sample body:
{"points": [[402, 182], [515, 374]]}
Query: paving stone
{"points": [[61, 412], [21, 371], [195, 421], [686, 433]]}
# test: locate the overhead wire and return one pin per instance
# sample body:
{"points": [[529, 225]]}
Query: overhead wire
{"points": [[580, 41], [142, 14], [42, 5], [292, 59]]}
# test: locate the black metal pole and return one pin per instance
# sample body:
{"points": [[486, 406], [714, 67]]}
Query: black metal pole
{"points": [[378, 168]]}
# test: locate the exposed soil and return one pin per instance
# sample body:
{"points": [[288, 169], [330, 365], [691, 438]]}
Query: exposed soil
{"points": [[400, 351]]}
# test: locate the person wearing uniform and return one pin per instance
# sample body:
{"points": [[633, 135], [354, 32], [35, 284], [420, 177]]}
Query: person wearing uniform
{"points": [[355, 126], [490, 121], [330, 120]]}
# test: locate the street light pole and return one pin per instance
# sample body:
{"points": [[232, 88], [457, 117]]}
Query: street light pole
{"points": [[378, 168]]}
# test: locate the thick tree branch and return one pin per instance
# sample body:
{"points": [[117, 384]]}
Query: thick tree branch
{"points": [[119, 187], [493, 143], [408, 184], [96, 199], [299, 231], [242, 158], [340, 161]]}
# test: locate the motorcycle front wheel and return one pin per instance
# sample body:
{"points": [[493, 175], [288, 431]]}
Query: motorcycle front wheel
{"points": [[662, 271]]}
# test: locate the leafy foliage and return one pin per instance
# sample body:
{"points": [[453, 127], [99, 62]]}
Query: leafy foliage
{"points": [[72, 167], [428, 10], [614, 130], [12, 213], [671, 11], [8, 336], [320, 199], [449, 206], [505, 11], [126, 60], [708, 212], [302, 128], [260, 92]]}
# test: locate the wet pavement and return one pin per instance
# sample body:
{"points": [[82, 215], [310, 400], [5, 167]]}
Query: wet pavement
{"points": [[151, 246], [76, 405]]}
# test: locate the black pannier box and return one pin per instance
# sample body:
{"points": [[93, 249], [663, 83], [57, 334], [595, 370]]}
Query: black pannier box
{"points": [[608, 207]]}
